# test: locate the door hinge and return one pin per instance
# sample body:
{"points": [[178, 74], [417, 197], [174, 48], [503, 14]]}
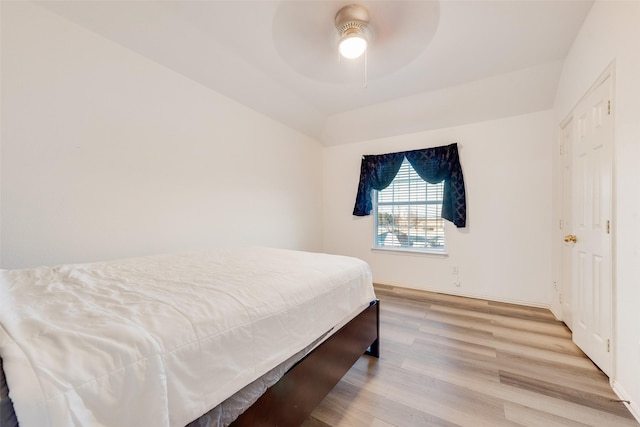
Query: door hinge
{"points": [[608, 227], [608, 346], [560, 224], [609, 107]]}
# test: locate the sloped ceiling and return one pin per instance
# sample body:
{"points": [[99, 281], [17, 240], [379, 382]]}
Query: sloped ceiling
{"points": [[431, 64]]}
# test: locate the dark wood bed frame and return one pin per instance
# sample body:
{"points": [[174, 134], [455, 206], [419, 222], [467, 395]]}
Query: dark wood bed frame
{"points": [[292, 399]]}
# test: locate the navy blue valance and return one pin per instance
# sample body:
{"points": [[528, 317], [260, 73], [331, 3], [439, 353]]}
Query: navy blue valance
{"points": [[434, 165]]}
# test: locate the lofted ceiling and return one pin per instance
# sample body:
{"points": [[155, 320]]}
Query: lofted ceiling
{"points": [[431, 64]]}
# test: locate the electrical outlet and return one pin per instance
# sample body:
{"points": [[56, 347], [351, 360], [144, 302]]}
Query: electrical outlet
{"points": [[454, 270], [457, 284]]}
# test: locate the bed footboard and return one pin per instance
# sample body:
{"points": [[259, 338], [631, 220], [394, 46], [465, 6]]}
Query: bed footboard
{"points": [[292, 399]]}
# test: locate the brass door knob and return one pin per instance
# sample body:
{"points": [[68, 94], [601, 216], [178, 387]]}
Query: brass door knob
{"points": [[570, 238]]}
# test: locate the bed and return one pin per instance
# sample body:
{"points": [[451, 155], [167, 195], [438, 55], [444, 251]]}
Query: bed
{"points": [[168, 340]]}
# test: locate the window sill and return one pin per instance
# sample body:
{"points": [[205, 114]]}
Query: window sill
{"points": [[401, 250]]}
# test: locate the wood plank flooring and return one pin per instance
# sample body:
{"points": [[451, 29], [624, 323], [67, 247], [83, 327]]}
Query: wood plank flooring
{"points": [[453, 361]]}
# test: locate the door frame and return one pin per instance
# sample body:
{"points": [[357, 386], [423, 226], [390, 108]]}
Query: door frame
{"points": [[565, 282]]}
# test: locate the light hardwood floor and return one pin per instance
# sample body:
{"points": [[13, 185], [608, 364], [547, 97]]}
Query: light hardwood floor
{"points": [[453, 361]]}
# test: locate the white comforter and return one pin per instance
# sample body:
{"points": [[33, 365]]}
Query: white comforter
{"points": [[158, 341]]}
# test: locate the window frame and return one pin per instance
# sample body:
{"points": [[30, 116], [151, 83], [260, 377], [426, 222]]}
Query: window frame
{"points": [[410, 249]]}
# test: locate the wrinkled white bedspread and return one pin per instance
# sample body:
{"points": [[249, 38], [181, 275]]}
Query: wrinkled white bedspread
{"points": [[159, 340]]}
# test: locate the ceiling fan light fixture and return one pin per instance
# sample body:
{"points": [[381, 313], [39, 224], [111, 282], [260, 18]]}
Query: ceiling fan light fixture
{"points": [[351, 22], [352, 46]]}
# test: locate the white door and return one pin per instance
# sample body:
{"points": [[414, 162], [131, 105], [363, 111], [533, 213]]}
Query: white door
{"points": [[591, 228], [566, 221]]}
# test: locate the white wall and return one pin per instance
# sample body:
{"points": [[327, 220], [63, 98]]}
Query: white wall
{"points": [[503, 254], [107, 154], [611, 33]]}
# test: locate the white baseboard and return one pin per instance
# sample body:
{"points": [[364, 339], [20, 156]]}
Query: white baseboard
{"points": [[556, 315], [623, 395], [469, 295]]}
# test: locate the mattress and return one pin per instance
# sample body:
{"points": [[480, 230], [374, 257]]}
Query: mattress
{"points": [[161, 340]]}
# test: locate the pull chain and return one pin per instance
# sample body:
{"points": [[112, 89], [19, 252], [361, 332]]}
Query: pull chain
{"points": [[365, 69]]}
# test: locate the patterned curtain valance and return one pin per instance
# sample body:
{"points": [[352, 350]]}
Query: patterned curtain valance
{"points": [[432, 164]]}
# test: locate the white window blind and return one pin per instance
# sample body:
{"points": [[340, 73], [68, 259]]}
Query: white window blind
{"points": [[407, 213]]}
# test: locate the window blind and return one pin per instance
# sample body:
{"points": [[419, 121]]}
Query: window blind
{"points": [[408, 212]]}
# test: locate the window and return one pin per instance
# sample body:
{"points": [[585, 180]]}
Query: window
{"points": [[407, 213]]}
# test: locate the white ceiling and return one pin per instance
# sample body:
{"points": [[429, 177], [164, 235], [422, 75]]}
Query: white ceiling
{"points": [[431, 63]]}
